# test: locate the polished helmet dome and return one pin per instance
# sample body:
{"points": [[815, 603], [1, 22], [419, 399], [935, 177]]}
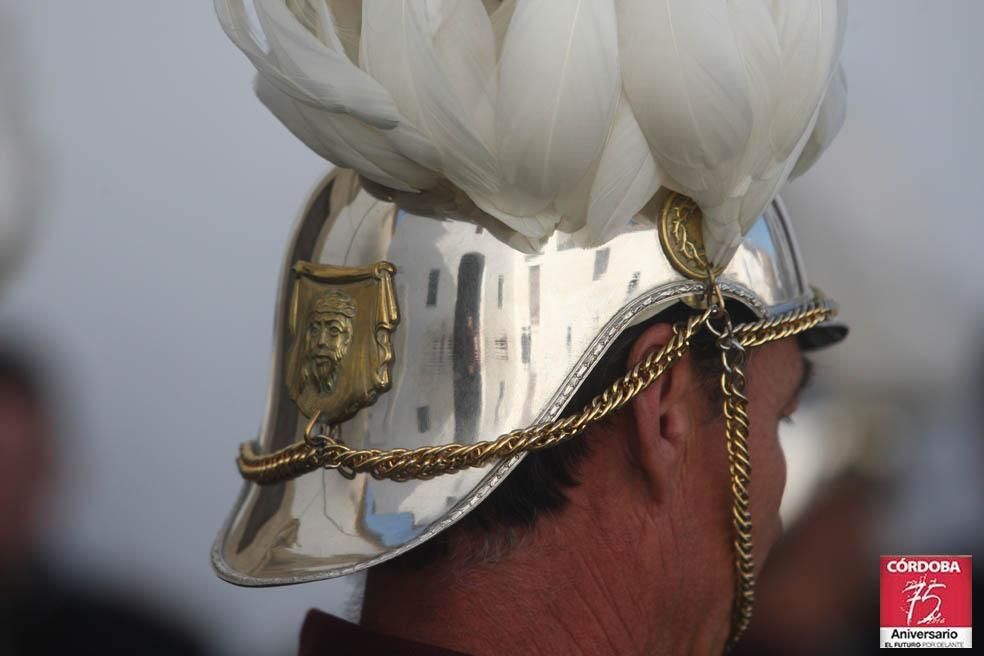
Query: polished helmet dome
{"points": [[482, 339]]}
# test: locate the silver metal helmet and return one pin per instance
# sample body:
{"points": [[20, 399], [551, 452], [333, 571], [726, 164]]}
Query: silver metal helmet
{"points": [[397, 332]]}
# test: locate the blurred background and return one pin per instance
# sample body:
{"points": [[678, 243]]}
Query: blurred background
{"points": [[146, 198]]}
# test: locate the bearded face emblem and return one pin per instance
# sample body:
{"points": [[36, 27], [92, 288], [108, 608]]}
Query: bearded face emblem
{"points": [[327, 335], [340, 320]]}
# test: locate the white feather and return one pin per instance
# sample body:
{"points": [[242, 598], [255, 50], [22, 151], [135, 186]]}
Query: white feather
{"points": [[347, 17], [501, 18], [761, 57], [415, 145], [626, 179], [683, 75], [833, 111], [725, 241], [312, 72], [310, 15], [725, 225], [396, 51], [446, 201], [319, 19], [297, 50], [810, 36], [345, 141], [536, 226], [558, 83], [380, 156], [727, 219], [573, 205], [465, 47]]}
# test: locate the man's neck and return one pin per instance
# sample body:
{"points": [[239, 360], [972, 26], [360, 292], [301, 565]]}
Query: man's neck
{"points": [[551, 594]]}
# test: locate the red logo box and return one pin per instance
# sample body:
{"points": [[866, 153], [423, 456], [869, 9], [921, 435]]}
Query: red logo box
{"points": [[926, 601]]}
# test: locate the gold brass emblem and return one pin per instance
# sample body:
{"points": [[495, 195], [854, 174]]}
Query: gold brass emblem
{"points": [[341, 320], [682, 238]]}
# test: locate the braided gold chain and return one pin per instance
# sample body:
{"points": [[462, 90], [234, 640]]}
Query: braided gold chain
{"points": [[323, 451]]}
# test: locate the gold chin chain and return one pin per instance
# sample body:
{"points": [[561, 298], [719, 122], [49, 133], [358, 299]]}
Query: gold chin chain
{"points": [[320, 451], [736, 422]]}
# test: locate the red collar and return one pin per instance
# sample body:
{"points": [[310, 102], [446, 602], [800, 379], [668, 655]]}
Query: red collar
{"points": [[326, 635]]}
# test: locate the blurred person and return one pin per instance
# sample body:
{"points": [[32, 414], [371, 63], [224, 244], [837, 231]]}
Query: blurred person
{"points": [[537, 434], [41, 610]]}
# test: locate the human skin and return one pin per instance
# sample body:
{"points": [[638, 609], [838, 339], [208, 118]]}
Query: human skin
{"points": [[640, 561]]}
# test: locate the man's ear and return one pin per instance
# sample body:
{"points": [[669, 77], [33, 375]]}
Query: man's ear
{"points": [[661, 412]]}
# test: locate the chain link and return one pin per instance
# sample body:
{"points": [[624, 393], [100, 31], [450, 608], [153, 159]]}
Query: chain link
{"points": [[736, 422]]}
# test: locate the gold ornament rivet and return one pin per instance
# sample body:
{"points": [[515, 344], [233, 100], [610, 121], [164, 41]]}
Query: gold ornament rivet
{"points": [[682, 238]]}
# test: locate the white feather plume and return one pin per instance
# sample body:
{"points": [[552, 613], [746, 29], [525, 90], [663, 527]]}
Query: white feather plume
{"points": [[540, 115], [830, 119]]}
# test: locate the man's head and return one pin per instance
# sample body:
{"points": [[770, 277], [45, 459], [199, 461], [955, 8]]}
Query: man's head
{"points": [[327, 335], [650, 485]]}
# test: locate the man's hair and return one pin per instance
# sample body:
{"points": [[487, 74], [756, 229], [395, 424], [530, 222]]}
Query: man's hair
{"points": [[538, 484]]}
